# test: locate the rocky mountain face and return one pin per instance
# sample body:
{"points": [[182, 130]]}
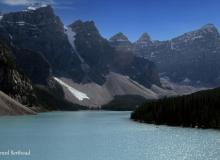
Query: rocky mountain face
{"points": [[121, 43], [101, 56], [95, 53], [41, 31], [79, 52], [127, 63], [49, 53], [143, 42], [192, 58], [12, 82], [35, 66], [27, 96], [32, 63]]}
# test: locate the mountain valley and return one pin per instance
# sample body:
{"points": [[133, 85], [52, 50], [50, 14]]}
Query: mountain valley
{"points": [[80, 69]]}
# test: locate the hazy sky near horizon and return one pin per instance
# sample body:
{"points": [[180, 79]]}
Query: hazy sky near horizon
{"points": [[162, 19]]}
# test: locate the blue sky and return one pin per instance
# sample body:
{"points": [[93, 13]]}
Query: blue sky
{"points": [[162, 19]]}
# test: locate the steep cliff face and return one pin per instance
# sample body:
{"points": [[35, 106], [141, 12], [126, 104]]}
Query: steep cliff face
{"points": [[189, 59], [143, 44], [35, 66], [41, 31], [79, 52], [121, 42], [12, 82], [102, 56], [127, 63], [95, 51], [44, 48]]}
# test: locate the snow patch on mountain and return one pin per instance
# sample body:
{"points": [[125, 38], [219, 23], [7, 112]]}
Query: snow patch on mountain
{"points": [[191, 36], [172, 45], [71, 38], [152, 55], [186, 80], [21, 23], [197, 34], [79, 95], [197, 37], [115, 85], [121, 40], [96, 95]]}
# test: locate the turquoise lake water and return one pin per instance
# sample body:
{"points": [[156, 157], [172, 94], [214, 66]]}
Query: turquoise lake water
{"points": [[94, 135]]}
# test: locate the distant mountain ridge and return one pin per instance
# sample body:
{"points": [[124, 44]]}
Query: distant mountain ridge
{"points": [[139, 69], [192, 58], [77, 64]]}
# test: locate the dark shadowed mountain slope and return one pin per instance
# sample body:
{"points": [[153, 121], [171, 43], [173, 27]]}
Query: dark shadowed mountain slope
{"points": [[18, 86], [94, 51], [79, 52], [35, 66], [42, 31], [12, 82], [99, 56]]}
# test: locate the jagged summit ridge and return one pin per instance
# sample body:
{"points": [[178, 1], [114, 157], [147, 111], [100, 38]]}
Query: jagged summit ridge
{"points": [[206, 31], [119, 37], [80, 26], [189, 57], [121, 42], [145, 37], [209, 26]]}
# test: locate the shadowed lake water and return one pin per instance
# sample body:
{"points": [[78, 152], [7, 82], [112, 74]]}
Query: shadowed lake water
{"points": [[94, 135]]}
